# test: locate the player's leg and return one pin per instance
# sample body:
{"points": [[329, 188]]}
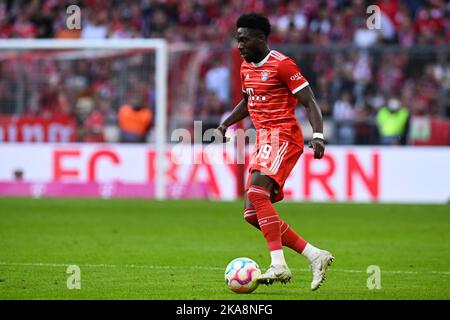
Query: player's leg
{"points": [[250, 216], [289, 238], [259, 194], [319, 259], [250, 212]]}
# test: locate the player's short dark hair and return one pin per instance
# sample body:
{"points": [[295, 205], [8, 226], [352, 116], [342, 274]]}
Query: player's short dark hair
{"points": [[254, 21]]}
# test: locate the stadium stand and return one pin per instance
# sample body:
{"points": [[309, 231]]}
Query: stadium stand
{"points": [[355, 76]]}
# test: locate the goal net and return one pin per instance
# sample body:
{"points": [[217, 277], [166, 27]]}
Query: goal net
{"points": [[69, 79]]}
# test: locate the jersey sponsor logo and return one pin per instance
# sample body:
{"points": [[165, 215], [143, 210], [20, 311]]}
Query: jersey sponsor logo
{"points": [[265, 75], [296, 76], [252, 97]]}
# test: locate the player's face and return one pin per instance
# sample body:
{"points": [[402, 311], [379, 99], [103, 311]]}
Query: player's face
{"points": [[250, 45]]}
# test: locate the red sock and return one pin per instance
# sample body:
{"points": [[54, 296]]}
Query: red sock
{"points": [[268, 219], [288, 236], [250, 217], [292, 239]]}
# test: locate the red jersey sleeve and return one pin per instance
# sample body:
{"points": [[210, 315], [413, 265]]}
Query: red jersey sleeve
{"points": [[290, 74]]}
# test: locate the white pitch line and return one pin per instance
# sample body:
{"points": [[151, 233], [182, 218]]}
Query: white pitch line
{"points": [[133, 266]]}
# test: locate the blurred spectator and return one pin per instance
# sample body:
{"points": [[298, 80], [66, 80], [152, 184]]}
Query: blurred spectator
{"points": [[157, 24], [429, 24], [364, 37], [344, 114], [321, 23], [95, 117], [365, 131], [95, 25], [362, 75], [211, 112], [94, 127], [53, 99], [404, 22], [447, 107], [134, 122], [388, 24], [218, 80], [338, 31], [393, 123], [294, 18], [405, 28], [83, 108], [23, 26]]}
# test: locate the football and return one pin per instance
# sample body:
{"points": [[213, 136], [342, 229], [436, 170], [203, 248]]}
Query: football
{"points": [[241, 275]]}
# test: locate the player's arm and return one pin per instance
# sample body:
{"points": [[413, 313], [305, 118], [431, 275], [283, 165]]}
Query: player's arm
{"points": [[239, 112], [307, 99], [290, 75]]}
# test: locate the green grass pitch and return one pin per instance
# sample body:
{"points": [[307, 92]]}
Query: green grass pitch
{"points": [[141, 249]]}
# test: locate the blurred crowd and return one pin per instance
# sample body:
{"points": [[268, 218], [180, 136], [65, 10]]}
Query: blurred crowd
{"points": [[405, 22], [91, 90], [351, 85]]}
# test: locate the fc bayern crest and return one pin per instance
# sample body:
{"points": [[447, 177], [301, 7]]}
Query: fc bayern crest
{"points": [[264, 75]]}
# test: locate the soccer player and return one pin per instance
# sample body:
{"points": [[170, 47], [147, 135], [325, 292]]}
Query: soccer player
{"points": [[272, 85]]}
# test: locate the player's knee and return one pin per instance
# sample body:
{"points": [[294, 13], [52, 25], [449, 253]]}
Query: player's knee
{"points": [[277, 196], [262, 181]]}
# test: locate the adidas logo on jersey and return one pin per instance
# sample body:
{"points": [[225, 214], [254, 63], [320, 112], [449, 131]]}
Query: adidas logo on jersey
{"points": [[247, 77]]}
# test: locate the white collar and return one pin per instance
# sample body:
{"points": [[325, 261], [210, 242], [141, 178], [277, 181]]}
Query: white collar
{"points": [[259, 64]]}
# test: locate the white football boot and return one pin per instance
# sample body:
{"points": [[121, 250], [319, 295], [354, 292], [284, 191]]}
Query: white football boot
{"points": [[318, 267], [277, 273]]}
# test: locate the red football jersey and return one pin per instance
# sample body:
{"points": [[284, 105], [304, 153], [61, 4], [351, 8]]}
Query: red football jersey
{"points": [[270, 86]]}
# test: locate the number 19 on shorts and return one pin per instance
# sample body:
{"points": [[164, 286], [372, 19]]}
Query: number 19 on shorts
{"points": [[264, 152]]}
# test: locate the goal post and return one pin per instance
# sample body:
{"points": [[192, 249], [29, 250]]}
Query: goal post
{"points": [[161, 79]]}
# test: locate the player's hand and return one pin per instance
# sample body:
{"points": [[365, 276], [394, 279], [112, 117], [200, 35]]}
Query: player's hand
{"points": [[220, 132], [318, 145]]}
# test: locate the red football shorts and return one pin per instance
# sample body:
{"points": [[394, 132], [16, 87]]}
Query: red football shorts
{"points": [[275, 161]]}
